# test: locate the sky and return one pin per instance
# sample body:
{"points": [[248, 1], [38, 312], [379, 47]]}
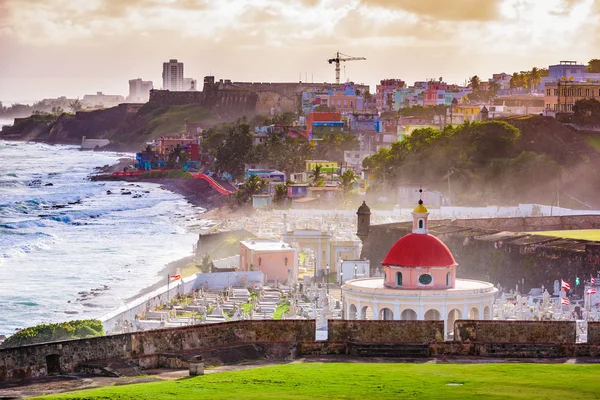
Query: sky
{"points": [[50, 48]]}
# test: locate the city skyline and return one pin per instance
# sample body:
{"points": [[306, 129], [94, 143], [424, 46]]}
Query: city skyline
{"points": [[71, 48]]}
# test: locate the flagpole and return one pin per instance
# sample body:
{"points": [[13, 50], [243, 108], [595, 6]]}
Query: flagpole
{"points": [[167, 289]]}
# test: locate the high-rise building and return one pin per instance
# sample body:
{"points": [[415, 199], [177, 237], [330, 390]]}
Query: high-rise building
{"points": [[173, 75], [139, 90]]}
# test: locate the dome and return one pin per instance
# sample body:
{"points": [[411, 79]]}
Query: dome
{"points": [[420, 209], [419, 250], [364, 209]]}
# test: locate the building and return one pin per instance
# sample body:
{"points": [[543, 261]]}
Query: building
{"points": [[139, 91], [353, 160], [502, 79], [326, 166], [561, 96], [457, 114], [277, 260], [419, 283], [173, 76], [319, 122], [165, 145], [101, 100], [568, 71], [190, 84], [384, 93]]}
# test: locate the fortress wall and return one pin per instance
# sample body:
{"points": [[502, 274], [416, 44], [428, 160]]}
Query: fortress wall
{"points": [[473, 338], [515, 332], [226, 333], [593, 333], [385, 331], [30, 361]]}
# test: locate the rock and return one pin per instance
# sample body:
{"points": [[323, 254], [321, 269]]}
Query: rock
{"points": [[49, 184]]}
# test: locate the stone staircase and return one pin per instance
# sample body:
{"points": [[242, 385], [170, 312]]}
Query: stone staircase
{"points": [[404, 350]]}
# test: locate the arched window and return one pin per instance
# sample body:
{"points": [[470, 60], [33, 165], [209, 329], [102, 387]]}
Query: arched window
{"points": [[399, 278], [448, 279], [384, 277], [420, 224]]}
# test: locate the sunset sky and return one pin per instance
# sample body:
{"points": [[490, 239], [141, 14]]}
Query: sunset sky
{"points": [[50, 48]]}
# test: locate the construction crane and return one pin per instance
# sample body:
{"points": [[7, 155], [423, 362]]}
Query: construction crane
{"points": [[341, 57]]}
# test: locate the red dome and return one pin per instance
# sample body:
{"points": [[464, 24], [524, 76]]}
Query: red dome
{"points": [[419, 250]]}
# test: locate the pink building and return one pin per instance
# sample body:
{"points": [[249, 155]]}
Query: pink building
{"points": [[384, 94], [277, 260]]}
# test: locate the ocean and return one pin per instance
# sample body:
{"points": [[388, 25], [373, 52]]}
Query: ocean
{"points": [[68, 249]]}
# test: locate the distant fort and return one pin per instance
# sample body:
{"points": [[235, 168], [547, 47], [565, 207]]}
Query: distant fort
{"points": [[247, 98]]}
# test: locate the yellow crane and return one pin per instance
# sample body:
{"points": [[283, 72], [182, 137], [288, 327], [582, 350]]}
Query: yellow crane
{"points": [[337, 59]]}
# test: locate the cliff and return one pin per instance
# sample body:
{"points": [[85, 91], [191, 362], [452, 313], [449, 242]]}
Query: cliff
{"points": [[127, 126]]}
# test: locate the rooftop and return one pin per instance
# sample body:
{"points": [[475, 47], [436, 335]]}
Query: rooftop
{"points": [[266, 245]]}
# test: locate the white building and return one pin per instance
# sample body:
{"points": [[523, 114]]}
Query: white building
{"points": [[139, 90], [419, 283], [189, 84], [173, 75], [101, 100]]}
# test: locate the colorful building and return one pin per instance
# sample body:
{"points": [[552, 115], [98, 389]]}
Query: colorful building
{"points": [[562, 95], [277, 260], [384, 93], [326, 166], [320, 124]]}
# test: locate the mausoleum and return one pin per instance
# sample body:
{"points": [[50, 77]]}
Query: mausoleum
{"points": [[419, 283]]}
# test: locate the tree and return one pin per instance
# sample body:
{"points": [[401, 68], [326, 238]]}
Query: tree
{"points": [[280, 194], [594, 65], [475, 83], [534, 78], [316, 175], [347, 181], [56, 110], [231, 146], [177, 157], [75, 105], [586, 112]]}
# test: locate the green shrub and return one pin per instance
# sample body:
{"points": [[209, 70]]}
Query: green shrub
{"points": [[42, 333]]}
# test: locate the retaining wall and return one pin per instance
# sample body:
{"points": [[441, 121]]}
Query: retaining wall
{"points": [[514, 332], [386, 331]]}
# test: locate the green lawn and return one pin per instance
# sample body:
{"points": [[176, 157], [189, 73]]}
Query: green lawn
{"points": [[582, 234], [373, 381]]}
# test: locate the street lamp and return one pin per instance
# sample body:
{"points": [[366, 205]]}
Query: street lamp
{"points": [[327, 279]]}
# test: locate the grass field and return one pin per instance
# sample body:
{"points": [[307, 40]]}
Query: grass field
{"points": [[372, 381], [582, 234]]}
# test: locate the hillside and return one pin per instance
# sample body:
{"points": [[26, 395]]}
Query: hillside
{"points": [[127, 126], [499, 162]]}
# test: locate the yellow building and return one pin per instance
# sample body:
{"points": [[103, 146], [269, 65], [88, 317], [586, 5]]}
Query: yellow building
{"points": [[326, 166], [465, 112]]}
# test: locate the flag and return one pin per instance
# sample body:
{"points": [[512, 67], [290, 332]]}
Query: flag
{"points": [[592, 280], [564, 301], [565, 285], [175, 277], [591, 291]]}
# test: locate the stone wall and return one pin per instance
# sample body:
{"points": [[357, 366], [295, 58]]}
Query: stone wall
{"points": [[386, 331], [227, 333], [593, 333], [514, 332], [32, 361]]}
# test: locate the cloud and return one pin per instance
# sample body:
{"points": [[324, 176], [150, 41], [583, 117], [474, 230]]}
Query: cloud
{"points": [[449, 10]]}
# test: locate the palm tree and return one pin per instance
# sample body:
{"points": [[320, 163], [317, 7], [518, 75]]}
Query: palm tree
{"points": [[475, 82], [280, 194], [347, 181], [534, 77], [316, 176], [75, 105]]}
